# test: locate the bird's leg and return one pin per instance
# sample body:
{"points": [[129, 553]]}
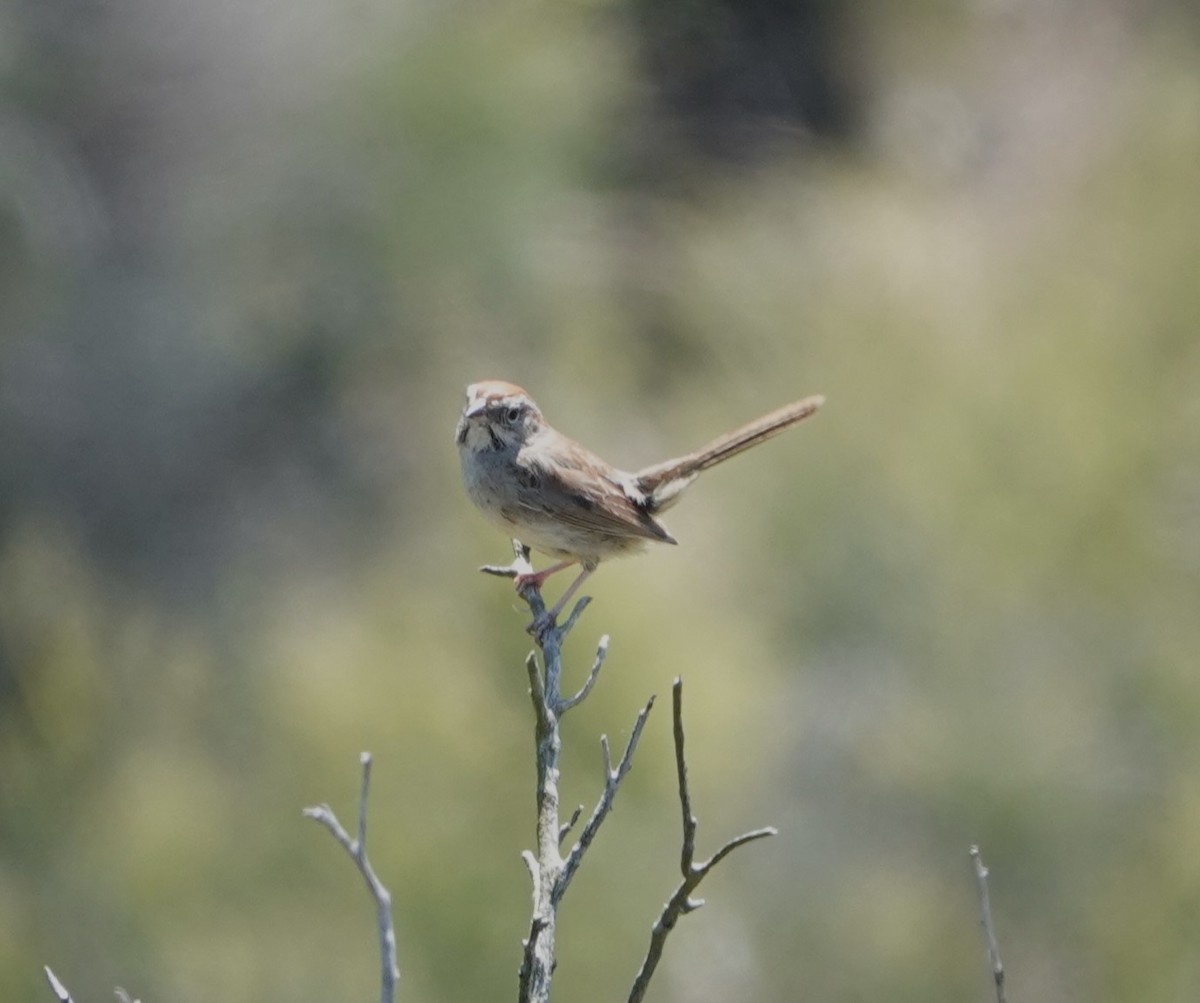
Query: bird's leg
{"points": [[547, 620], [571, 590]]}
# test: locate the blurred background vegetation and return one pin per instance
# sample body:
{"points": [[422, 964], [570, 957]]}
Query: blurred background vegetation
{"points": [[251, 253]]}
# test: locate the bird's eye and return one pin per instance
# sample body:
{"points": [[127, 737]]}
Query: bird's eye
{"points": [[512, 414]]}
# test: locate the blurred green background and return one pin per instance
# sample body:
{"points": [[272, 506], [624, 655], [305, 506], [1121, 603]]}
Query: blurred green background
{"points": [[251, 253]]}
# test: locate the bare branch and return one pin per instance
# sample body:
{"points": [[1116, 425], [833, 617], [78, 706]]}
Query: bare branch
{"points": [[586, 688], [612, 781], [681, 901], [519, 566], [59, 989], [63, 996], [733, 844], [529, 958], [499, 570], [576, 613], [985, 919], [530, 592], [690, 822], [363, 794], [531, 865], [356, 849], [537, 958], [552, 873], [537, 692]]}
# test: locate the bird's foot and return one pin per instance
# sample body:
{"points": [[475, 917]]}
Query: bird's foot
{"points": [[534, 578], [542, 625], [537, 578]]}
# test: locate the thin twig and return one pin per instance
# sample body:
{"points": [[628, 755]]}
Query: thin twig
{"points": [[612, 781], [564, 830], [576, 612], [537, 692], [690, 822], [985, 919], [63, 996], [586, 688], [59, 989], [681, 902], [500, 570], [356, 849], [538, 952], [519, 566], [733, 844]]}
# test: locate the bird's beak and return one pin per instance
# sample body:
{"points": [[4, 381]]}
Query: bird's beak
{"points": [[475, 407]]}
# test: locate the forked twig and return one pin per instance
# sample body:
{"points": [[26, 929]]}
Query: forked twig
{"points": [[612, 781], [586, 688], [550, 873], [356, 849], [681, 902]]}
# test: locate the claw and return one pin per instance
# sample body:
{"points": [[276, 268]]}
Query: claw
{"points": [[541, 626], [538, 578]]}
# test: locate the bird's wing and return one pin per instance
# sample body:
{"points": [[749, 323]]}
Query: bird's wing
{"points": [[578, 497]]}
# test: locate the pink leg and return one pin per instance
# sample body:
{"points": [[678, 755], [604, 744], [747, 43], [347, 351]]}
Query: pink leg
{"points": [[566, 596]]}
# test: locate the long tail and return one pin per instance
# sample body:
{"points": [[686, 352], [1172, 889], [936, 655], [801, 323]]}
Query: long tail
{"points": [[663, 482]]}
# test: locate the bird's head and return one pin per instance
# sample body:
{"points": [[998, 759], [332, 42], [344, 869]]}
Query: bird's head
{"points": [[497, 415]]}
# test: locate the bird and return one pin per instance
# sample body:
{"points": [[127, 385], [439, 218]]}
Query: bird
{"points": [[559, 497]]}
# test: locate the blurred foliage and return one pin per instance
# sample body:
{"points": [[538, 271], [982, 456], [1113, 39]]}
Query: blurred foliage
{"points": [[248, 258]]}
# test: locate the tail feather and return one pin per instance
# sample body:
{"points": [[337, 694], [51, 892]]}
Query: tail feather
{"points": [[663, 482]]}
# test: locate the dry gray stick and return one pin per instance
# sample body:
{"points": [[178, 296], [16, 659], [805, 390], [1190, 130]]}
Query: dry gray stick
{"points": [[586, 688], [549, 872], [985, 920], [681, 902], [612, 780], [564, 830], [59, 989], [356, 848]]}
